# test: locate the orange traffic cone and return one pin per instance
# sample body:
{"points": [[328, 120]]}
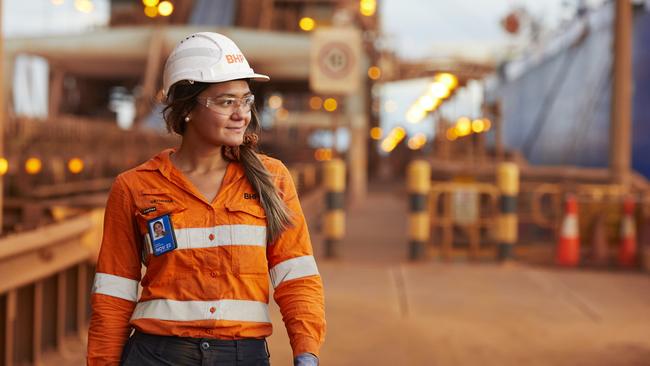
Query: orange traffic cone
{"points": [[627, 249], [568, 247]]}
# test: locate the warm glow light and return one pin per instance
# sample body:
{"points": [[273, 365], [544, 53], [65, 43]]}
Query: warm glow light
{"points": [[33, 166], [307, 24], [84, 6], [439, 90], [275, 101], [315, 102], [463, 126], [367, 7], [323, 154], [395, 136], [151, 11], [427, 102], [376, 133], [417, 141], [415, 114], [330, 104], [486, 124], [436, 104], [75, 165], [150, 3], [57, 2], [282, 114], [374, 72], [478, 126], [4, 166], [449, 80], [165, 8], [451, 134]]}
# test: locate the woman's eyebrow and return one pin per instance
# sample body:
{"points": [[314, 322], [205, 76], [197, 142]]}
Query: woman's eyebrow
{"points": [[229, 95]]}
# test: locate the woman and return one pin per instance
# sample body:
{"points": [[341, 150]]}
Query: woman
{"points": [[235, 220]]}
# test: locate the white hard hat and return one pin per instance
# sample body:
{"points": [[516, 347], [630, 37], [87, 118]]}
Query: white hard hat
{"points": [[209, 58]]}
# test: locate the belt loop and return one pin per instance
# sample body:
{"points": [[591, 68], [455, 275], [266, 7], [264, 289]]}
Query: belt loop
{"points": [[239, 350], [266, 345]]}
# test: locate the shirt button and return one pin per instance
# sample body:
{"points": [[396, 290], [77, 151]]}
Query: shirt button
{"points": [[213, 274], [205, 345], [211, 236], [213, 309]]}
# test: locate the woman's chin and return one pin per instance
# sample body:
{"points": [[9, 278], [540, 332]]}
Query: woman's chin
{"points": [[233, 142]]}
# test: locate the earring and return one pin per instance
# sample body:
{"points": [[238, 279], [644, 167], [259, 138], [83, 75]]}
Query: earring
{"points": [[187, 118]]}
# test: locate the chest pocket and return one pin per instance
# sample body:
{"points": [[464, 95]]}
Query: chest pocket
{"points": [[154, 202], [248, 233]]}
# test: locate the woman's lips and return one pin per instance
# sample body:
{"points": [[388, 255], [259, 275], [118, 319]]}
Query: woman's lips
{"points": [[236, 129]]}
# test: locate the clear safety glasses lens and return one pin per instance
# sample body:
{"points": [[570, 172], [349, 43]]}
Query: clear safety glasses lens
{"points": [[227, 105]]}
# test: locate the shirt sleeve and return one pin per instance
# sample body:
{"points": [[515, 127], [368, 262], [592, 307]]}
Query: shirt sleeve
{"points": [[295, 277], [115, 288]]}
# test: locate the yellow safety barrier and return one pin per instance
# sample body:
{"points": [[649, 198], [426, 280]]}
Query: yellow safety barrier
{"points": [[334, 225], [508, 183], [470, 206], [419, 182]]}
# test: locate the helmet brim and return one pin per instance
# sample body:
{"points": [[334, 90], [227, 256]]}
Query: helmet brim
{"points": [[243, 76]]}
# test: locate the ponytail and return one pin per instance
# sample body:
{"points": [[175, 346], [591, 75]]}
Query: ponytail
{"points": [[278, 217]]}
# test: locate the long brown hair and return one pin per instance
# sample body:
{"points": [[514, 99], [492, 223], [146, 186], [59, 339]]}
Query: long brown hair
{"points": [[181, 100]]}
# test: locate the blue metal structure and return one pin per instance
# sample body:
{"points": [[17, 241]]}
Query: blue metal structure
{"points": [[556, 100]]}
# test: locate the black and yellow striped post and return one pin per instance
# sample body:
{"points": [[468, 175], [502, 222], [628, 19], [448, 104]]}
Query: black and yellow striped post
{"points": [[334, 177], [508, 184], [419, 183]]}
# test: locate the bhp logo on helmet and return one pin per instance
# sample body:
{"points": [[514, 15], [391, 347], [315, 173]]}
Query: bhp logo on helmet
{"points": [[238, 58]]}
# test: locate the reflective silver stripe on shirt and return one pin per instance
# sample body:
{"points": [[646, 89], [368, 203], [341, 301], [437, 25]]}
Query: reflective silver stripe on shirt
{"points": [[175, 310], [116, 286], [193, 238], [293, 268]]}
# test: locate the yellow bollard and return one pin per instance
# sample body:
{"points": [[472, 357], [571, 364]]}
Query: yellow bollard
{"points": [[508, 184], [334, 179], [419, 183]]}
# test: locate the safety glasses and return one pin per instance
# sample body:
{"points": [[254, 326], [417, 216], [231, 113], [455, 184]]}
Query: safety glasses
{"points": [[228, 105]]}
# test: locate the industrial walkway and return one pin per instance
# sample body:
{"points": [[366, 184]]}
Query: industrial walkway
{"points": [[382, 310]]}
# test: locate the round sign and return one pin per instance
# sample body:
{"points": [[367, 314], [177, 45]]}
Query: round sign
{"points": [[335, 60]]}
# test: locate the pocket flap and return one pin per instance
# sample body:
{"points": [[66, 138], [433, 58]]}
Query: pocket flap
{"points": [[255, 210], [153, 202]]}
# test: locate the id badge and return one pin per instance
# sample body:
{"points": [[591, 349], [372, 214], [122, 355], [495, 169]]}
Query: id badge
{"points": [[161, 233]]}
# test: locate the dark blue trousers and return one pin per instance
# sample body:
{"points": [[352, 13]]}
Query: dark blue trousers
{"points": [[152, 350]]}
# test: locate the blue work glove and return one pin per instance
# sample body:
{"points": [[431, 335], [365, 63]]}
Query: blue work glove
{"points": [[305, 359]]}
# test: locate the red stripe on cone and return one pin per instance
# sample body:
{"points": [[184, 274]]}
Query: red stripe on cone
{"points": [[628, 248], [568, 247]]}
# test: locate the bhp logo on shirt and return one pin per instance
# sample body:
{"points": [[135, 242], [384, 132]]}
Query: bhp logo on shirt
{"points": [[238, 58]]}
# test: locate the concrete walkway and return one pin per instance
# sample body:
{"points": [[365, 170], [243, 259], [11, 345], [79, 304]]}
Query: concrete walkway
{"points": [[382, 310]]}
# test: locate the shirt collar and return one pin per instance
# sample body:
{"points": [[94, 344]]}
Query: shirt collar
{"points": [[159, 162]]}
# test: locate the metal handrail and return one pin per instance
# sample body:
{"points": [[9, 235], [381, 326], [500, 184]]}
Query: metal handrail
{"points": [[53, 261]]}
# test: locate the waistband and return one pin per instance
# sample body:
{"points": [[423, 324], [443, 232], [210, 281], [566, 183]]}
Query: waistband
{"points": [[199, 341]]}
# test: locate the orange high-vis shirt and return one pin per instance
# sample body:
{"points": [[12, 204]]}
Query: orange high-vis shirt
{"points": [[215, 284]]}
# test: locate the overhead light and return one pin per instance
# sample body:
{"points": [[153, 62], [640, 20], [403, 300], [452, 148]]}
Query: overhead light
{"points": [[307, 24]]}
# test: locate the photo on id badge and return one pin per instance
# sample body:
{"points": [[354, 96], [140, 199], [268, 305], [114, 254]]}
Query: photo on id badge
{"points": [[161, 233]]}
